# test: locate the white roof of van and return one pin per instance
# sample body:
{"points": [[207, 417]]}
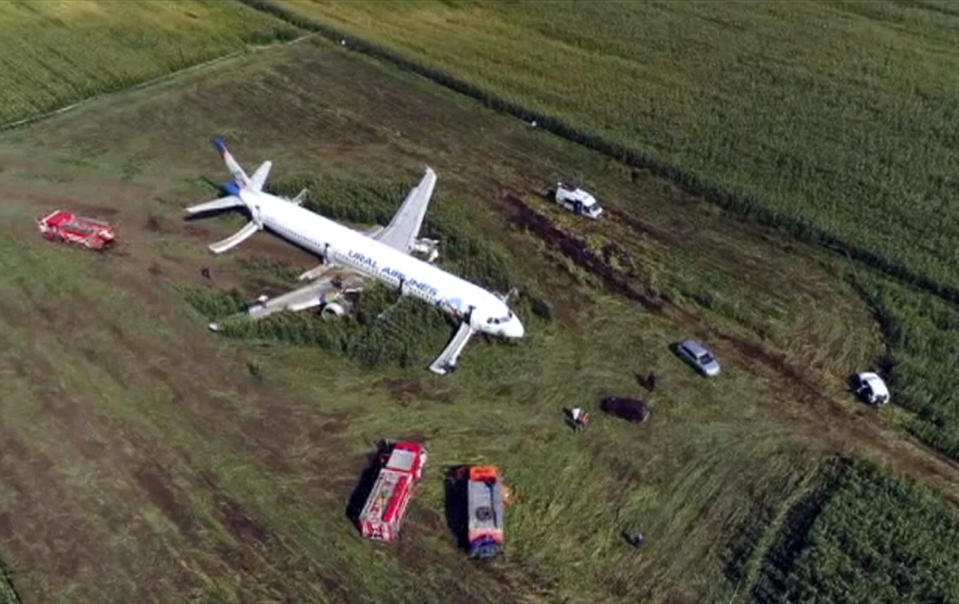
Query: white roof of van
{"points": [[875, 383]]}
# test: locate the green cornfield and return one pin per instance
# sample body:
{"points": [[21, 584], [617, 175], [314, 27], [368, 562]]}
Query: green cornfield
{"points": [[53, 54], [845, 543], [922, 338], [838, 120]]}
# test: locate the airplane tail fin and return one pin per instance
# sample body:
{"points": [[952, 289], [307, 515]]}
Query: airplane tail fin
{"points": [[231, 164]]}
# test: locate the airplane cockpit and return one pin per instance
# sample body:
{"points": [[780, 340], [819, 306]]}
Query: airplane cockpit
{"points": [[507, 325], [499, 320]]}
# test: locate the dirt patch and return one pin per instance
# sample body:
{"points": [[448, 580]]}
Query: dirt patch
{"points": [[154, 224], [159, 487], [196, 231], [641, 226], [614, 253], [240, 523], [6, 526], [799, 382], [93, 210], [408, 389], [320, 433], [578, 251]]}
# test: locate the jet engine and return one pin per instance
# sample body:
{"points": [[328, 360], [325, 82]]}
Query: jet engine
{"points": [[336, 309], [429, 248]]}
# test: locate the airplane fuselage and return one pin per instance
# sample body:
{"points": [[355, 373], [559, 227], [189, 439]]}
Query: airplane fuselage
{"points": [[483, 310]]}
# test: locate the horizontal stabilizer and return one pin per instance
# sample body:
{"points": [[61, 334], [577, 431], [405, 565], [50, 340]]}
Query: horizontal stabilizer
{"points": [[446, 362], [235, 239], [223, 203]]}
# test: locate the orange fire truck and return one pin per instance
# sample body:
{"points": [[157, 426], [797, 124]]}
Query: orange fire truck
{"points": [[487, 511], [401, 468]]}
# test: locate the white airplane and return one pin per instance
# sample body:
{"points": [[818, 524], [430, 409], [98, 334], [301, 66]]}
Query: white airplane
{"points": [[350, 257]]}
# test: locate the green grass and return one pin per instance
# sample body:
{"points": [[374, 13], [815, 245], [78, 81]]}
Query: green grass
{"points": [[834, 116], [184, 465], [845, 543], [57, 53]]}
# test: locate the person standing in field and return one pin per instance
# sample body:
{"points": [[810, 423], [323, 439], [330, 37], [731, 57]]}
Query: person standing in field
{"points": [[579, 419], [650, 381]]}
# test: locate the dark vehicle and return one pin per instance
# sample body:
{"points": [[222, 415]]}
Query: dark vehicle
{"points": [[630, 409]]}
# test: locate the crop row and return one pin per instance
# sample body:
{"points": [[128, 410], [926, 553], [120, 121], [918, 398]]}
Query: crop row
{"points": [[862, 535]]}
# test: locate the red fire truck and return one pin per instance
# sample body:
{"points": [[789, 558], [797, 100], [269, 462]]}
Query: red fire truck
{"points": [[67, 226], [401, 468]]}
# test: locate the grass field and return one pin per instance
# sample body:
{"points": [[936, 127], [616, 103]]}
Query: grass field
{"points": [[56, 53], [181, 465], [838, 115], [833, 115]]}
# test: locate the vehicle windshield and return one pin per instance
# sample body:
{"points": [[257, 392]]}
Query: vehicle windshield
{"points": [[705, 358]]}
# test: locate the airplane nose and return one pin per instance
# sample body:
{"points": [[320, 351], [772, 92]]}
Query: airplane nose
{"points": [[516, 329]]}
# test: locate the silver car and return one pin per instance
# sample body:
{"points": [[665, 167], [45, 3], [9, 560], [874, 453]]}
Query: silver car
{"points": [[696, 355]]}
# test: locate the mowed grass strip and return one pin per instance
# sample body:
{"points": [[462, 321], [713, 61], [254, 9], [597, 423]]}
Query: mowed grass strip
{"points": [[839, 116], [53, 54]]}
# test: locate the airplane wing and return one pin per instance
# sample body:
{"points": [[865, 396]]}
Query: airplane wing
{"points": [[319, 292], [403, 229]]}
